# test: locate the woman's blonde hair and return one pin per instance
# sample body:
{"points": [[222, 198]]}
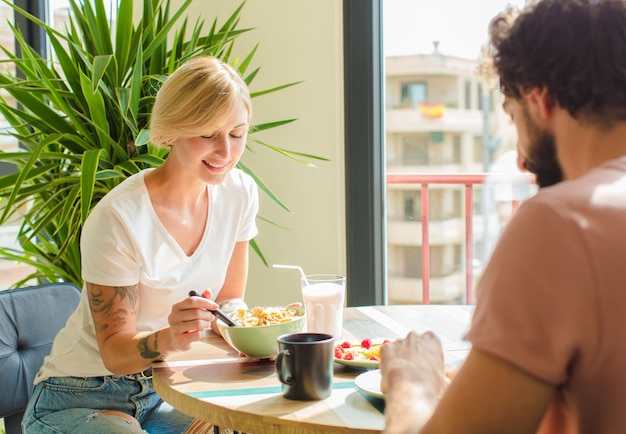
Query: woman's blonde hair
{"points": [[196, 99]]}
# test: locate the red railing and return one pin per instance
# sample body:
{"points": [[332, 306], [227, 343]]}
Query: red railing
{"points": [[468, 180]]}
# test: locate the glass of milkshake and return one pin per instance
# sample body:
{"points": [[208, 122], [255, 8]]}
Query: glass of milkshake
{"points": [[323, 296]]}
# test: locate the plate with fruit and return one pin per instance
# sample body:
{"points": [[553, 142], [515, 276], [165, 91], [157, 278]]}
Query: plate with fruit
{"points": [[364, 354]]}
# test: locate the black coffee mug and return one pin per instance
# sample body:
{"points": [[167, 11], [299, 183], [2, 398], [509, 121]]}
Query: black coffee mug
{"points": [[304, 365]]}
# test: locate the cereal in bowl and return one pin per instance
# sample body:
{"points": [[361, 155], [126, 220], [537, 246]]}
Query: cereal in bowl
{"points": [[263, 316]]}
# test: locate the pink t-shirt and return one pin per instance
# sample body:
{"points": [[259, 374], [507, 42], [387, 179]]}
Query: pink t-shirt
{"points": [[552, 300]]}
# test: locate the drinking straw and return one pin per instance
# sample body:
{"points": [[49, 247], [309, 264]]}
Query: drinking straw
{"points": [[295, 267]]}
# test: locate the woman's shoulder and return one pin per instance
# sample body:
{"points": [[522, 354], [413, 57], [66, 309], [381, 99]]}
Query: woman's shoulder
{"points": [[129, 185], [128, 193]]}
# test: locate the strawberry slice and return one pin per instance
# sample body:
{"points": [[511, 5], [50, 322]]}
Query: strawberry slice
{"points": [[338, 352]]}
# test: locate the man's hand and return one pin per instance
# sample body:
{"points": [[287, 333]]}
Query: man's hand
{"points": [[417, 359], [413, 380]]}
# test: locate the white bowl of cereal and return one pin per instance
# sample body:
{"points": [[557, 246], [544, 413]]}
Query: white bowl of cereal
{"points": [[259, 327]]}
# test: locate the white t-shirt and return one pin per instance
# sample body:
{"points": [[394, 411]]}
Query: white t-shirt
{"points": [[124, 243]]}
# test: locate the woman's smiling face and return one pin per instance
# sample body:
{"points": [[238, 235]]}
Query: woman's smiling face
{"points": [[211, 156]]}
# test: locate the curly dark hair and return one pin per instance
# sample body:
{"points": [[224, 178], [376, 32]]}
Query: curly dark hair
{"points": [[576, 49]]}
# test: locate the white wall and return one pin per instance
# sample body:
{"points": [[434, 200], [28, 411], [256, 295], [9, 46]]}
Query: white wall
{"points": [[298, 41]]}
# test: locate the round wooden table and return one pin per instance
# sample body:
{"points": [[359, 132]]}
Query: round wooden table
{"points": [[210, 382]]}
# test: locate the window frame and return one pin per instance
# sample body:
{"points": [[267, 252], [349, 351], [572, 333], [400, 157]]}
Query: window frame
{"points": [[365, 184], [36, 37]]}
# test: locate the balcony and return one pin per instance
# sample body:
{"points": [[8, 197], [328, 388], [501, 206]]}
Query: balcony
{"points": [[456, 284], [410, 120]]}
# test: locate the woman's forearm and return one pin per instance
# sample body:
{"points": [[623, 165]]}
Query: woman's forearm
{"points": [[129, 353]]}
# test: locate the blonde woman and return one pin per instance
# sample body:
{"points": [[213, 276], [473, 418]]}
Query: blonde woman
{"points": [[161, 233]]}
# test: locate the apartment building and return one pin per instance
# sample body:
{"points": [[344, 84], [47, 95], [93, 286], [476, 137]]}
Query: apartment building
{"points": [[440, 118]]}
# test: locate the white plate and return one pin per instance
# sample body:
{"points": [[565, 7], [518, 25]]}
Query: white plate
{"points": [[369, 382], [359, 364]]}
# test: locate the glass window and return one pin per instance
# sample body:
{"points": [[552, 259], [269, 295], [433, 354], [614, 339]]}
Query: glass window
{"points": [[412, 257], [479, 96], [10, 271], [468, 94], [413, 94], [415, 150], [433, 54], [55, 13], [412, 206], [7, 143], [59, 11]]}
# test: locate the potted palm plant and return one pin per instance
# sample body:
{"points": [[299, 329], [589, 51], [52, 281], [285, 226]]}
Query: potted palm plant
{"points": [[81, 119]]}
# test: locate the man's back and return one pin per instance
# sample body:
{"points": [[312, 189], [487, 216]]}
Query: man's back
{"points": [[552, 299]]}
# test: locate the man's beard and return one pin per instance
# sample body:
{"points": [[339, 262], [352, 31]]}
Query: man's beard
{"points": [[542, 159]]}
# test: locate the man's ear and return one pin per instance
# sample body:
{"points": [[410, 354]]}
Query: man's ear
{"points": [[539, 102]]}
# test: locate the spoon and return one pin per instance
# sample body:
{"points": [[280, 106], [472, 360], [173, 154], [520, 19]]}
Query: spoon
{"points": [[221, 315]]}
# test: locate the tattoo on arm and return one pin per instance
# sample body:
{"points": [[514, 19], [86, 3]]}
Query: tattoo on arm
{"points": [[115, 309], [112, 306], [144, 347]]}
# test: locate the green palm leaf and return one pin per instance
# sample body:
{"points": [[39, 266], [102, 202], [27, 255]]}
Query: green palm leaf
{"points": [[82, 119]]}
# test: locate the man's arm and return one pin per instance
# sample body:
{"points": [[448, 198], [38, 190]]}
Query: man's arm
{"points": [[490, 395], [487, 395]]}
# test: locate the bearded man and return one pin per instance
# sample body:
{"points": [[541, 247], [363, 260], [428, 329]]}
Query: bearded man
{"points": [[547, 353]]}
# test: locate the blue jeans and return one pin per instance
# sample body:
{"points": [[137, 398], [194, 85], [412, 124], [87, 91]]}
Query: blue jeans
{"points": [[75, 405]]}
